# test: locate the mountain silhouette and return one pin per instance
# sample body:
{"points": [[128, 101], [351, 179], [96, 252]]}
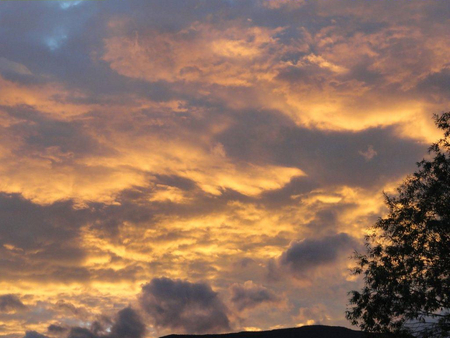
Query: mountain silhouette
{"points": [[313, 331]]}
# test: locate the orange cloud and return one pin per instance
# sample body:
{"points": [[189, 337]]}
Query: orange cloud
{"points": [[228, 56], [320, 90]]}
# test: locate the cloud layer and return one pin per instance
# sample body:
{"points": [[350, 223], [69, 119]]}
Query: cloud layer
{"points": [[201, 166]]}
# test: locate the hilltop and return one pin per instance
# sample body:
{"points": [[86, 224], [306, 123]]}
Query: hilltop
{"points": [[313, 331]]}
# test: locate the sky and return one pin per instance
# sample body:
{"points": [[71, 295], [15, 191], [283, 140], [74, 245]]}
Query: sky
{"points": [[194, 166]]}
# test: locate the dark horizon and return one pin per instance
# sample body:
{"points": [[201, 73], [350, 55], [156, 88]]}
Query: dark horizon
{"points": [[308, 331]]}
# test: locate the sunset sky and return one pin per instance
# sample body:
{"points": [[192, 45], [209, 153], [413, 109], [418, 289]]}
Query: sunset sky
{"points": [[203, 165]]}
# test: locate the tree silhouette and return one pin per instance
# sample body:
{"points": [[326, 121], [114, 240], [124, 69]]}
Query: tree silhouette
{"points": [[406, 268]]}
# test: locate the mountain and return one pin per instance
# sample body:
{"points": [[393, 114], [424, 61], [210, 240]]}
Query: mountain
{"points": [[313, 331]]}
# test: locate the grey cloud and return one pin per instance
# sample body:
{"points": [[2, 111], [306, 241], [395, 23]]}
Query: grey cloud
{"points": [[436, 84], [283, 197], [27, 225], [135, 207], [108, 219], [10, 304], [34, 334], [56, 329], [126, 324], [310, 74], [21, 266], [177, 181], [250, 295], [325, 220], [273, 271], [244, 262], [70, 309], [327, 157], [37, 312], [80, 332], [55, 230], [40, 132], [303, 256], [76, 32], [181, 305], [14, 67], [40, 242], [200, 269]]}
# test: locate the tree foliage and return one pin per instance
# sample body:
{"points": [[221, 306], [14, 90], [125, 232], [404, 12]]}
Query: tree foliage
{"points": [[406, 268]]}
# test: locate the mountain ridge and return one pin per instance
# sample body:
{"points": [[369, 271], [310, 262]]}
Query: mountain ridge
{"points": [[310, 331]]}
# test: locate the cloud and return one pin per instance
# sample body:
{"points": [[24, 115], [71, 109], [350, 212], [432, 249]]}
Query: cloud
{"points": [[95, 157], [263, 136], [316, 314], [11, 304], [71, 310], [249, 295], [14, 67], [369, 154], [307, 75], [232, 55], [277, 4], [181, 305], [303, 256], [79, 332], [179, 138], [127, 323], [436, 85], [56, 329], [51, 98], [34, 334], [39, 239]]}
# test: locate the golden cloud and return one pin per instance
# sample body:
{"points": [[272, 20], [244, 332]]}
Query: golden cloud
{"points": [[319, 90]]}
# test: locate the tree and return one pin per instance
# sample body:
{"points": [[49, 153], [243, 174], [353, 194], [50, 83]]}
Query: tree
{"points": [[406, 267]]}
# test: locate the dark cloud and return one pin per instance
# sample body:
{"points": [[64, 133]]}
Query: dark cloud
{"points": [[176, 181], [71, 138], [327, 157], [34, 334], [250, 295], [185, 306], [28, 226], [56, 329], [80, 332], [436, 85], [126, 324], [71, 310], [281, 197], [41, 242], [11, 304], [40, 133], [303, 256]]}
